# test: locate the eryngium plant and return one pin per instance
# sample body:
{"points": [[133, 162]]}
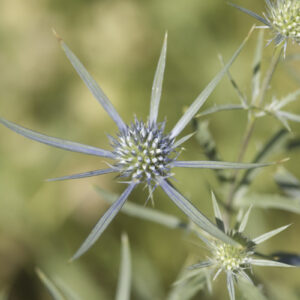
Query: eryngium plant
{"points": [[235, 260], [142, 152], [282, 17]]}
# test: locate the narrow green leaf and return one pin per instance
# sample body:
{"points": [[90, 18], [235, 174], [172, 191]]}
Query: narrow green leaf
{"points": [[256, 73], [230, 285], [219, 165], [249, 291], [288, 183], [158, 82], [52, 288], [288, 116], [103, 222], [288, 99], [144, 213], [183, 140], [55, 142], [269, 201], [200, 100], [91, 84], [188, 284], [251, 13], [276, 144], [194, 214], [245, 220], [123, 289], [235, 86], [269, 263], [219, 108], [217, 212], [260, 239]]}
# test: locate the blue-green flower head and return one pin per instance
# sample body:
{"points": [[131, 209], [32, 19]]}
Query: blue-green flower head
{"points": [[282, 17], [142, 152], [235, 259]]}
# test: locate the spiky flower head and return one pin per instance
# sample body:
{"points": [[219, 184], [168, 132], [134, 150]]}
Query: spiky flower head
{"points": [[282, 17], [142, 152], [235, 259]]}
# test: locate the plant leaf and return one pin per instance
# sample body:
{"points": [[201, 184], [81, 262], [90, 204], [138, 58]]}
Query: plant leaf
{"points": [[268, 235], [251, 13], [103, 222], [288, 183], [245, 220], [51, 287], [84, 175], [202, 264], [183, 140], [123, 289], [200, 100], [249, 290], [144, 213], [217, 212], [55, 142], [288, 99], [230, 285], [194, 214], [158, 82], [273, 146], [219, 108], [218, 165], [256, 70], [269, 263], [92, 84], [188, 284], [269, 201]]}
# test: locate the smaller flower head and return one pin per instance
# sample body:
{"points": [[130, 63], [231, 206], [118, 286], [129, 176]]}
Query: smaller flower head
{"points": [[236, 259], [282, 17]]}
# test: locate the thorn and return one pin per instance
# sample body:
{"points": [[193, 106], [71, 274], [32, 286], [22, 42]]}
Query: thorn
{"points": [[58, 37]]}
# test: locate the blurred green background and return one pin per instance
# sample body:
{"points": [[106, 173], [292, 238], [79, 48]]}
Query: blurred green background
{"points": [[42, 224]]}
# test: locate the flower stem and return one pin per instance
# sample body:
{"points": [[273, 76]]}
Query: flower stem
{"points": [[250, 127]]}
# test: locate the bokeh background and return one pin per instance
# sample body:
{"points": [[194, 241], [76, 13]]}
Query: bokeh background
{"points": [[42, 223]]}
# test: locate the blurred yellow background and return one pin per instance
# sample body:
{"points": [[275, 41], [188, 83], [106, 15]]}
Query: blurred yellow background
{"points": [[43, 223]]}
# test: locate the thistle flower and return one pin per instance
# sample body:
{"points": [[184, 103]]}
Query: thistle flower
{"points": [[282, 17], [142, 152], [235, 260]]}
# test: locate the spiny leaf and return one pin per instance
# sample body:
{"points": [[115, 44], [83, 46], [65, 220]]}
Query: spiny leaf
{"points": [[55, 142], [200, 100], [52, 288], [144, 213], [158, 82], [91, 84], [269, 201], [260, 239], [123, 289]]}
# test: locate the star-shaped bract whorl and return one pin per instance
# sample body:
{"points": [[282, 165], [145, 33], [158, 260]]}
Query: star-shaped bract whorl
{"points": [[142, 151]]}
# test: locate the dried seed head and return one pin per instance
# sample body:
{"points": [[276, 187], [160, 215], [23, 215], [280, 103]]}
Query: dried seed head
{"points": [[144, 152], [284, 19]]}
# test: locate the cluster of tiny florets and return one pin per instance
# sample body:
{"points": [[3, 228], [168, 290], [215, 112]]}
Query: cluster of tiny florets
{"points": [[144, 152], [284, 18], [231, 258]]}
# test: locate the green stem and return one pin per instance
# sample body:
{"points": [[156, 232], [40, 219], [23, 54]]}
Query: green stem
{"points": [[250, 126]]}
